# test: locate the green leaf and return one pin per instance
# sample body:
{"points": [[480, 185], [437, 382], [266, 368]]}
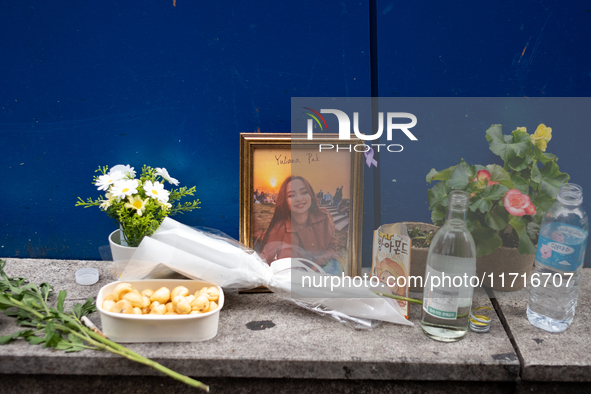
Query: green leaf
{"points": [[494, 192], [542, 203], [73, 344], [517, 163], [512, 149], [544, 157], [533, 230], [60, 300], [438, 215], [536, 175], [52, 337], [477, 203], [486, 239], [498, 174], [483, 201], [6, 339], [518, 223], [5, 302], [520, 184], [438, 194], [552, 179], [86, 309], [33, 340], [526, 246], [46, 290], [497, 218], [435, 175], [495, 133], [460, 176], [521, 142]]}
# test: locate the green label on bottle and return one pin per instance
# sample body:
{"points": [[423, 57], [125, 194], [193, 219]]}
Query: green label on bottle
{"points": [[441, 314], [440, 299]]}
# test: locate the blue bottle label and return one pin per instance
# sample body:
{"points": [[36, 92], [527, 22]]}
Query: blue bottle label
{"points": [[561, 246]]}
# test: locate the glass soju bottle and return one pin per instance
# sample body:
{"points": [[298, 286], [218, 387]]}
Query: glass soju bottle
{"points": [[451, 261]]}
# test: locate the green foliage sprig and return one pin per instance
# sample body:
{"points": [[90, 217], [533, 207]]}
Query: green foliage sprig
{"points": [[53, 327], [139, 206], [512, 197]]}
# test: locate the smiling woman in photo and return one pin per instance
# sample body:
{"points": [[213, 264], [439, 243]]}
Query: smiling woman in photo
{"points": [[300, 228]]}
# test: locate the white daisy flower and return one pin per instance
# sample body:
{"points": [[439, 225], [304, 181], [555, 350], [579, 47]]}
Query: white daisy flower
{"points": [[124, 188], [104, 181], [125, 170], [136, 203], [164, 174], [156, 191]]}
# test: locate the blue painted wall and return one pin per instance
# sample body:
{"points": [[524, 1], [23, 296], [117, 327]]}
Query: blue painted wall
{"points": [[87, 84], [467, 49]]}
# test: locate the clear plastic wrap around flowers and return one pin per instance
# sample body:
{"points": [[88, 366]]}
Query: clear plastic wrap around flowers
{"points": [[223, 261]]}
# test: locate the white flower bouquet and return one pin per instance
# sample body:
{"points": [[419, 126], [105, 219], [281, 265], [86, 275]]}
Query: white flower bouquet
{"points": [[138, 205]]}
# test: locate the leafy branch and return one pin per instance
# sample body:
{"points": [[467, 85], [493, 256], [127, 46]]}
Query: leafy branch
{"points": [[55, 328]]}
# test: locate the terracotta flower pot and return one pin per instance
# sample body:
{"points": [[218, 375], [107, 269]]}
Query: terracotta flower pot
{"points": [[418, 256], [505, 262]]}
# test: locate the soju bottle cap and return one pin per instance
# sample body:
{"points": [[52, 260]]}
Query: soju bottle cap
{"points": [[480, 323]]}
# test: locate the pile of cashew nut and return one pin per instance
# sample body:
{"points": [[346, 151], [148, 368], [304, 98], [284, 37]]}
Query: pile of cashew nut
{"points": [[126, 299]]}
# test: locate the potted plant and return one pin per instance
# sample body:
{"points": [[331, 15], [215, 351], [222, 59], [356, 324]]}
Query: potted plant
{"points": [[506, 202], [421, 235], [137, 205]]}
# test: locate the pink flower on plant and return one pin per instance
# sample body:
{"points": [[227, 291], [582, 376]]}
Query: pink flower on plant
{"points": [[518, 204], [531, 209], [483, 179], [481, 175], [545, 251]]}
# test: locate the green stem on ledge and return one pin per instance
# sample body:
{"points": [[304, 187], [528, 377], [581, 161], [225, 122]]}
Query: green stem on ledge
{"points": [[413, 300]]}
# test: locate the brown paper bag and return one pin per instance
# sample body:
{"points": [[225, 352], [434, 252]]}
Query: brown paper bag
{"points": [[391, 259]]}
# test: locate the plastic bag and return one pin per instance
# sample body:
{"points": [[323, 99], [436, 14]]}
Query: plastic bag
{"points": [[225, 262]]}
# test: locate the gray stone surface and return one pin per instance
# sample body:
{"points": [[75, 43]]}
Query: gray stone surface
{"points": [[547, 356], [300, 345], [51, 384]]}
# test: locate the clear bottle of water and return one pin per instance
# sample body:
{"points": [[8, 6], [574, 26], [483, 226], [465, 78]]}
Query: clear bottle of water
{"points": [[452, 259], [555, 281]]}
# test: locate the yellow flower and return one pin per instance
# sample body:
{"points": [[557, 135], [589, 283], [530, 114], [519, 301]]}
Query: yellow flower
{"points": [[136, 203], [107, 203], [541, 137]]}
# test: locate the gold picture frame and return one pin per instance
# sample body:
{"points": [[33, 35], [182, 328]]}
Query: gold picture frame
{"points": [[259, 151]]}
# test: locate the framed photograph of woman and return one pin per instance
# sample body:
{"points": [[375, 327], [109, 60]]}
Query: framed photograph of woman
{"points": [[302, 198]]}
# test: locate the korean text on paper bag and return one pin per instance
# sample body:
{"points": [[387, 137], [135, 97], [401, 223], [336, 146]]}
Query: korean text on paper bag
{"points": [[391, 259]]}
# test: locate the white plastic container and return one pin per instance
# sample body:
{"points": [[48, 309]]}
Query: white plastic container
{"points": [[159, 328]]}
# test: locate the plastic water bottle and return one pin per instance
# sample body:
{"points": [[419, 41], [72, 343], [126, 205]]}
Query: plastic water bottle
{"points": [[451, 261], [555, 282]]}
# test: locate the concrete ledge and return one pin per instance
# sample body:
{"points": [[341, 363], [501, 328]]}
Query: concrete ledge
{"points": [[564, 357], [48, 384], [300, 345]]}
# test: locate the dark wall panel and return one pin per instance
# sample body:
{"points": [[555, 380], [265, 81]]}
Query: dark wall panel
{"points": [[104, 83], [467, 49]]}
